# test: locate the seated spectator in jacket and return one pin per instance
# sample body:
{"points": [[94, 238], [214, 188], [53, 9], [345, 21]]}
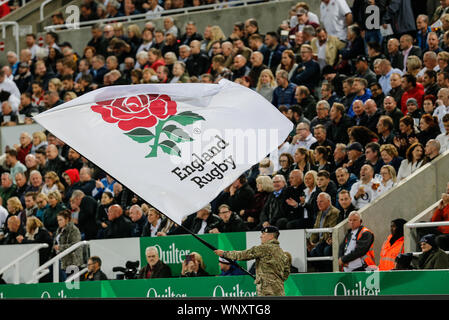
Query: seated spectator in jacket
{"points": [[36, 233], [284, 93], [87, 207], [7, 188], [413, 89], [356, 251], [241, 195], [153, 224], [372, 156], [202, 221], [138, 218], [320, 244], [229, 269], [120, 226], [8, 117], [30, 204], [15, 230], [94, 272], [295, 218], [155, 267], [231, 221], [441, 213], [340, 123], [432, 257], [344, 205], [362, 93], [325, 184], [55, 162], [393, 245], [356, 158], [344, 179], [363, 191], [390, 155], [275, 207], [385, 127], [87, 183], [322, 117], [431, 150], [372, 115], [193, 266]]}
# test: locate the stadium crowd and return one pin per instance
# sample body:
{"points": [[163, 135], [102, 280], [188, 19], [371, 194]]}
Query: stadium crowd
{"points": [[369, 109]]}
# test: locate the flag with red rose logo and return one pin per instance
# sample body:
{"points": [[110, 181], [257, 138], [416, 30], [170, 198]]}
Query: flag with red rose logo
{"points": [[177, 146]]}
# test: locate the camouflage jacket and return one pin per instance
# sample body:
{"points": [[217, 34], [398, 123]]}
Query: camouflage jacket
{"points": [[272, 266]]}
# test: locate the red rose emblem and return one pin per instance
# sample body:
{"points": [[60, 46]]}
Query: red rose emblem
{"points": [[142, 111]]}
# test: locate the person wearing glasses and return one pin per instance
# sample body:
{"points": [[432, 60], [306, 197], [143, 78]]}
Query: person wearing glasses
{"points": [[94, 270], [231, 221]]}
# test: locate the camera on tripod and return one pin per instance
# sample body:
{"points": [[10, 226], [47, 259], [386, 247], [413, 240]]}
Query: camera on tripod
{"points": [[129, 272]]}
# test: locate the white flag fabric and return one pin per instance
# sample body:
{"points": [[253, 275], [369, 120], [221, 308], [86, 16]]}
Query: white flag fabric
{"points": [[177, 146]]}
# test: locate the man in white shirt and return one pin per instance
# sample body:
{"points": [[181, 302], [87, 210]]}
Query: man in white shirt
{"points": [[364, 191], [10, 87], [336, 16], [443, 138], [442, 107], [303, 137]]}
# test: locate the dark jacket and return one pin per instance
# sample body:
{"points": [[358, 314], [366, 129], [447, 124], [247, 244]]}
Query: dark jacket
{"points": [[275, 208], [435, 258], [243, 198], [361, 248], [338, 132], [307, 74], [138, 226], [160, 270], [235, 224], [49, 218], [10, 237], [57, 165], [42, 236], [119, 228], [87, 217], [99, 275]]}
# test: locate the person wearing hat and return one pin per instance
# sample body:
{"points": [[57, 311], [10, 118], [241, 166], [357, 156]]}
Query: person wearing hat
{"points": [[23, 77], [403, 261], [356, 158], [363, 70], [272, 263], [432, 256], [229, 269], [413, 110]]}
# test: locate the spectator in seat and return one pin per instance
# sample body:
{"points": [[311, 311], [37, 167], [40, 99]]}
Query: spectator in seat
{"points": [[241, 195], [308, 72], [432, 257], [388, 179], [86, 184], [320, 244], [412, 89], [431, 150], [120, 226], [341, 122], [441, 213], [393, 245], [94, 272], [153, 224], [275, 207], [414, 159], [15, 231], [36, 233], [443, 138], [155, 267], [7, 189], [193, 266], [390, 155], [231, 221], [385, 127], [356, 252], [363, 192], [50, 214], [228, 269], [264, 186], [345, 205], [138, 218]]}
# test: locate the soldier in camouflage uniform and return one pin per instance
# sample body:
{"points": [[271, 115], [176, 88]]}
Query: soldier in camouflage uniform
{"points": [[272, 263]]}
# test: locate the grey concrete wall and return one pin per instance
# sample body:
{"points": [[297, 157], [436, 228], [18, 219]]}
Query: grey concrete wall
{"points": [[268, 14], [406, 201]]}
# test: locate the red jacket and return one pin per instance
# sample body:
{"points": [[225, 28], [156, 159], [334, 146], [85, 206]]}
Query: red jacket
{"points": [[417, 93], [441, 215]]}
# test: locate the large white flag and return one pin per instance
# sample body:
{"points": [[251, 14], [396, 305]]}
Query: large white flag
{"points": [[177, 146]]}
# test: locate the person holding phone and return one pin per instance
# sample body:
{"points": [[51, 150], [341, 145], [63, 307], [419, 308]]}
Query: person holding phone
{"points": [[193, 266]]}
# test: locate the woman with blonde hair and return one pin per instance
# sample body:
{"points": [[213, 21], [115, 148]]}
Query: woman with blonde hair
{"points": [[36, 233], [15, 208], [308, 201], [266, 84], [414, 65], [39, 140], [52, 183], [264, 186], [389, 154], [388, 179], [55, 85], [288, 63], [216, 34], [55, 205], [193, 266]]}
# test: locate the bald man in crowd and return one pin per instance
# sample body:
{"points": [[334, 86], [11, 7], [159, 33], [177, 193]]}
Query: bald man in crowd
{"points": [[119, 225]]}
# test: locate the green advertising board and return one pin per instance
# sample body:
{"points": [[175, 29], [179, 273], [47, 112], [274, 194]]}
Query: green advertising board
{"points": [[432, 282], [172, 250]]}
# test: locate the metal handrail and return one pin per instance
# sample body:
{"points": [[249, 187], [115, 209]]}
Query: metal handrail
{"points": [[43, 269], [4, 24], [319, 230], [15, 263], [41, 9], [214, 6], [76, 275]]}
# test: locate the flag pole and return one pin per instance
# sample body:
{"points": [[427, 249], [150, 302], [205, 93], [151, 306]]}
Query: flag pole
{"points": [[211, 247]]}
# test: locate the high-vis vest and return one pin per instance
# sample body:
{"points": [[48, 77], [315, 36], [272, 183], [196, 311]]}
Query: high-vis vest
{"points": [[389, 253], [368, 258]]}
